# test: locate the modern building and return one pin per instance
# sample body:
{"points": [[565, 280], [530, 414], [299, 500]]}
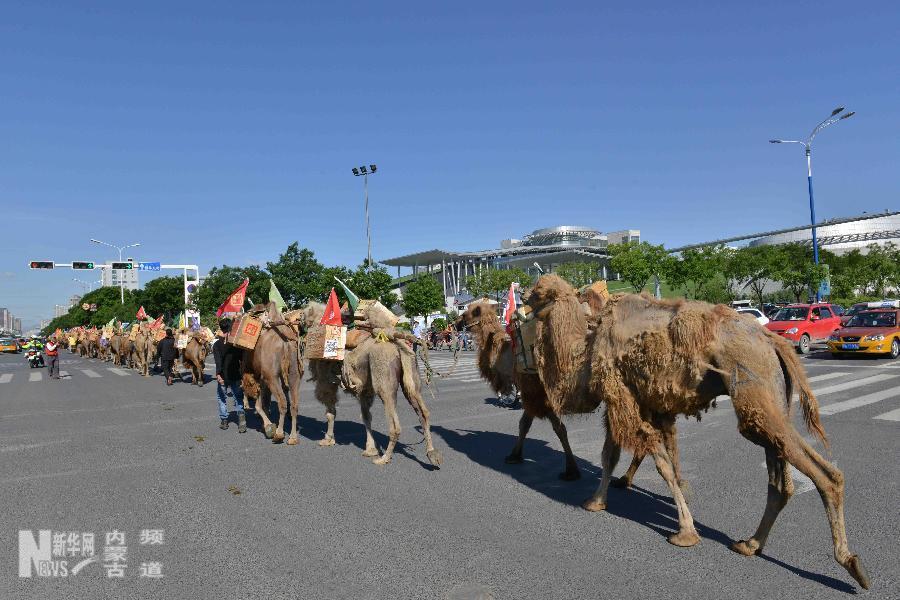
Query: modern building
{"points": [[113, 277], [59, 310], [549, 248]]}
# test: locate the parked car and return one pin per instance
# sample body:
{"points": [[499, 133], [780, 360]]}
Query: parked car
{"points": [[755, 313], [805, 324], [9, 344], [852, 311], [870, 331]]}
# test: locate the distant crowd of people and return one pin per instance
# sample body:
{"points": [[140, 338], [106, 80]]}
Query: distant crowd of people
{"points": [[442, 339]]}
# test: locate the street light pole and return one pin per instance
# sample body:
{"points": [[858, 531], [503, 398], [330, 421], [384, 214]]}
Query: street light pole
{"points": [[807, 146], [365, 174], [120, 249]]}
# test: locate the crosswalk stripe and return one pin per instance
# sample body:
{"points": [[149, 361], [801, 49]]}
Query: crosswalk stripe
{"points": [[35, 376], [848, 385], [839, 407], [91, 373], [470, 380], [826, 376], [893, 415], [5, 378], [120, 372]]}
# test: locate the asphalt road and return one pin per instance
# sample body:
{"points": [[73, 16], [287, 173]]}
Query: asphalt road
{"points": [[105, 449]]}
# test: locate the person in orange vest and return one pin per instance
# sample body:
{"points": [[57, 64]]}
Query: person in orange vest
{"points": [[52, 352]]}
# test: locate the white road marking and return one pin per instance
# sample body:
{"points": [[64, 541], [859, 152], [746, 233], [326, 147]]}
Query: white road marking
{"points": [[63, 374], [35, 376], [893, 415], [825, 376], [839, 407], [6, 377], [471, 380], [849, 385], [120, 372], [91, 373]]}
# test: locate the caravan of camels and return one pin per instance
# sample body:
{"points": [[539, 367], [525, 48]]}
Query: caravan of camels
{"points": [[643, 362]]}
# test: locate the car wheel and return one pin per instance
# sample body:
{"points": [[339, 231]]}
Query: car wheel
{"points": [[895, 348], [803, 346]]}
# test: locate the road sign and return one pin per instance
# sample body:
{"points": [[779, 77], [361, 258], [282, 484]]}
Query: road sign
{"points": [[122, 266], [41, 264], [82, 265], [148, 266]]}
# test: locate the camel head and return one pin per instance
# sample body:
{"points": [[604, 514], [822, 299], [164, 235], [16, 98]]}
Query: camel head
{"points": [[475, 313], [548, 290]]}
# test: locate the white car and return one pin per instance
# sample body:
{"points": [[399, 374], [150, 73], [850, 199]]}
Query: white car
{"points": [[755, 313]]}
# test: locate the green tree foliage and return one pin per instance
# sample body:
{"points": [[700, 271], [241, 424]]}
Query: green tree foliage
{"points": [[422, 296], [700, 272], [109, 306], [579, 274], [495, 282], [163, 296], [439, 324], [221, 281], [796, 271], [300, 277], [752, 267], [637, 262], [372, 283]]}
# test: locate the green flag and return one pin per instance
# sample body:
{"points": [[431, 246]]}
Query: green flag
{"points": [[352, 298], [275, 296], [112, 323]]}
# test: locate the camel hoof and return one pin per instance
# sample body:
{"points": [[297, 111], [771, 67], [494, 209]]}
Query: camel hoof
{"points": [[593, 505], [744, 547], [684, 539], [570, 475], [856, 570], [326, 442], [514, 459], [278, 437], [435, 458], [382, 461], [370, 452], [620, 482], [270, 430], [293, 440]]}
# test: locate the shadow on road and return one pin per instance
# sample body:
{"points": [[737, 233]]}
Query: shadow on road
{"points": [[639, 505]]}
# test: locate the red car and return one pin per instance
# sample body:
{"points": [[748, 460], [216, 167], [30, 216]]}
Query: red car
{"points": [[804, 324]]}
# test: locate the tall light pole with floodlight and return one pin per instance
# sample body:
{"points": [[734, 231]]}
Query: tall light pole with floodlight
{"points": [[119, 248], [807, 145], [365, 175]]}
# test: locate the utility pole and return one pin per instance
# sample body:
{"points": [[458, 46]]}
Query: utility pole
{"points": [[365, 175]]}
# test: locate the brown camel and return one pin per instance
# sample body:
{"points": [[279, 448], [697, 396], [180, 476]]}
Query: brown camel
{"points": [[649, 361], [118, 346], [274, 367], [375, 367], [496, 364], [194, 358], [144, 351]]}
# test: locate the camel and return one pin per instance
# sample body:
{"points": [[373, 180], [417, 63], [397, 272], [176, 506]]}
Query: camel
{"points": [[274, 367], [194, 358], [374, 367], [117, 348], [650, 360], [144, 351]]}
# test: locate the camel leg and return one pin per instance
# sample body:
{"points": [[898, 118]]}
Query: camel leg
{"points": [[326, 393], [277, 389], [608, 461], [687, 534], [515, 457], [625, 480], [387, 391], [781, 487], [571, 473], [262, 406], [294, 391], [365, 408], [417, 402]]}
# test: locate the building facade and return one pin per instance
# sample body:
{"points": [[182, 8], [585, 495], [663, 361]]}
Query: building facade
{"points": [[113, 277]]}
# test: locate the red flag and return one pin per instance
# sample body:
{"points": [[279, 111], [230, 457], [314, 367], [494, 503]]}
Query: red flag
{"points": [[235, 302], [332, 314], [141, 315], [510, 304], [157, 323]]}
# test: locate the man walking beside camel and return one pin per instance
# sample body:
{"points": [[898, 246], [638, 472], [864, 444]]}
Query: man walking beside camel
{"points": [[228, 377]]}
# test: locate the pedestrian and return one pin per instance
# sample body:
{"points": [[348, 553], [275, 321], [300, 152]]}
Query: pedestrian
{"points": [[418, 333], [167, 354], [52, 352], [228, 377]]}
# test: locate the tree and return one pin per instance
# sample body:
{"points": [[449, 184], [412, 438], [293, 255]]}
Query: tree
{"points": [[881, 268], [579, 274], [637, 262], [495, 282], [423, 296], [163, 295], [372, 282], [221, 281], [300, 277], [752, 267], [699, 271], [796, 270]]}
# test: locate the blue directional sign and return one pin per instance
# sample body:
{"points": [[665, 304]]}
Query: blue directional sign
{"points": [[148, 266]]}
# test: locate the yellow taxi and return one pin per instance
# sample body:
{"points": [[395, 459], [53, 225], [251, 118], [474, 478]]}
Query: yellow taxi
{"points": [[875, 330], [8, 344]]}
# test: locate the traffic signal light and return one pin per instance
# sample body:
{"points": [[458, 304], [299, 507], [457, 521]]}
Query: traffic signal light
{"points": [[82, 265], [123, 266], [41, 264]]}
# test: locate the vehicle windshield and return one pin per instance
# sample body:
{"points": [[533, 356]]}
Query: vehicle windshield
{"points": [[853, 310], [791, 313], [874, 319]]}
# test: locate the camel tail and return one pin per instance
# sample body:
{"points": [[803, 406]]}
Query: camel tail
{"points": [[795, 380]]}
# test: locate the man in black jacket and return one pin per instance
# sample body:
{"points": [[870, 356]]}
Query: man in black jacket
{"points": [[167, 354], [228, 377]]}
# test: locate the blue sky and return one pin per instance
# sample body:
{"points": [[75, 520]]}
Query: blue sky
{"points": [[219, 132]]}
